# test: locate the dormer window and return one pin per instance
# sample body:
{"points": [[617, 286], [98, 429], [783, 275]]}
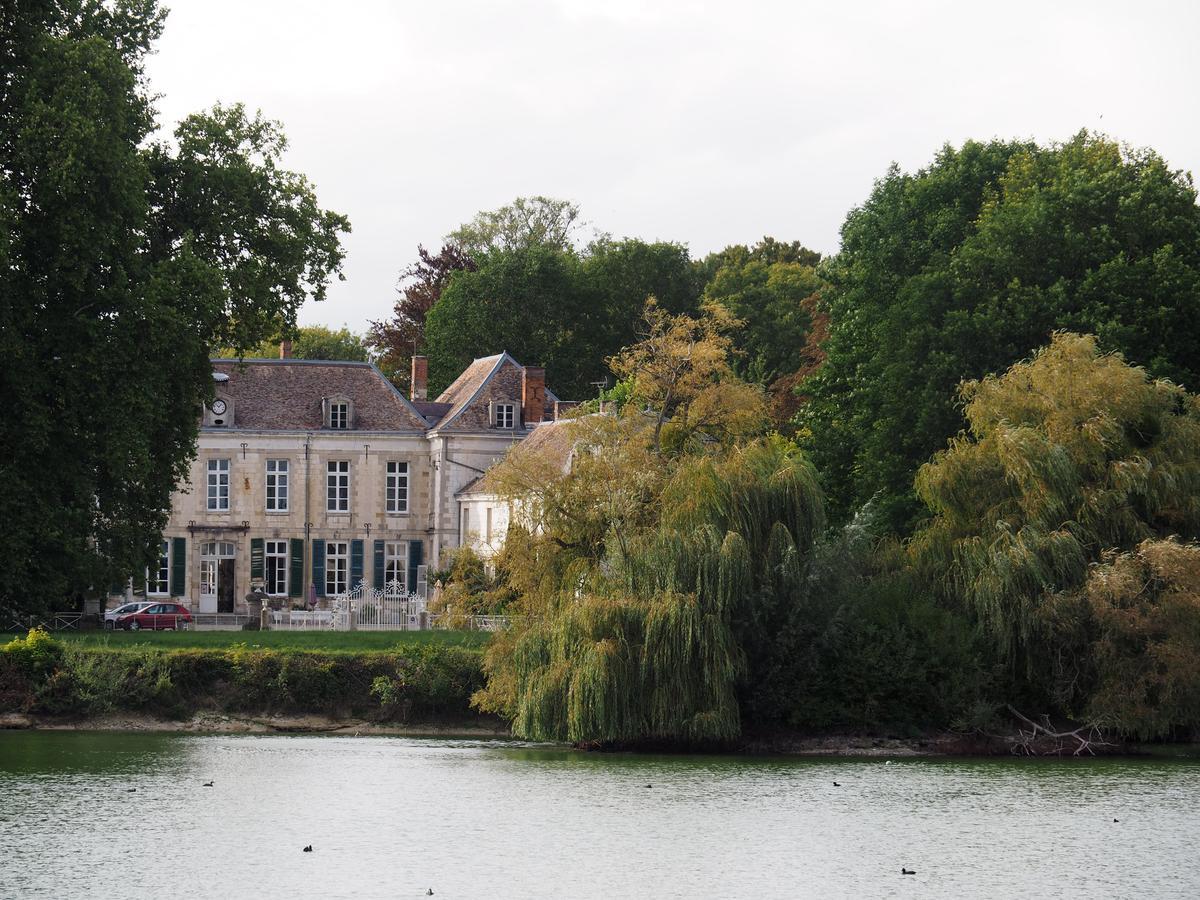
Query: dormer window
{"points": [[339, 413], [506, 415]]}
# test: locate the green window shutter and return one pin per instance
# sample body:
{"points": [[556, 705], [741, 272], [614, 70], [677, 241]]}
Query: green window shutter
{"points": [[296, 564], [257, 551], [318, 567], [178, 565], [356, 564], [416, 555], [379, 565]]}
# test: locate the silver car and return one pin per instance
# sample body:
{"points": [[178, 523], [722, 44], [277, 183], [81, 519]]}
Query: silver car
{"points": [[110, 617]]}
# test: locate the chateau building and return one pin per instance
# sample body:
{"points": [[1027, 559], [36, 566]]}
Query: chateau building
{"points": [[312, 477]]}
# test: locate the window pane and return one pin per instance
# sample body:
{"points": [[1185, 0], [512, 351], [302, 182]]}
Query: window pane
{"points": [[276, 565], [218, 484], [395, 568], [336, 567], [396, 493]]}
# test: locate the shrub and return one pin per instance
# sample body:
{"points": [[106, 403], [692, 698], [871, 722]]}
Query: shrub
{"points": [[36, 655], [41, 675]]}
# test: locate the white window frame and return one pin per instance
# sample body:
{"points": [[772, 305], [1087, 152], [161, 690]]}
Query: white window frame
{"points": [[337, 486], [506, 415], [275, 560], [395, 566], [339, 414], [396, 482], [337, 567], [277, 478], [162, 584], [218, 485]]}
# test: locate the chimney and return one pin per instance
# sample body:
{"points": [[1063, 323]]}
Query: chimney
{"points": [[562, 407], [285, 349], [420, 377], [533, 394]]}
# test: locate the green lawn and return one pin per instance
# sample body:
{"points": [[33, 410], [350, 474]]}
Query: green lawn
{"points": [[281, 640]]}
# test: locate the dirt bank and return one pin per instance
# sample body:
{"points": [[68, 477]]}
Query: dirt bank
{"points": [[221, 723]]}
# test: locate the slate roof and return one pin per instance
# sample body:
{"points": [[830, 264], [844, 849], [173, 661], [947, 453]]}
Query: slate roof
{"points": [[286, 395], [432, 410], [484, 380], [554, 442]]}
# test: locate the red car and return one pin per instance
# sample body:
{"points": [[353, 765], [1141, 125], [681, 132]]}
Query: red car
{"points": [[159, 617]]}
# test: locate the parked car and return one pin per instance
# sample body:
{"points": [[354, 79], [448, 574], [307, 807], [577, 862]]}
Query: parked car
{"points": [[110, 617], [157, 617]]}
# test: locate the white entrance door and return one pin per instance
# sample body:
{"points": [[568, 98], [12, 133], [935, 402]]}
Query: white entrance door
{"points": [[211, 555], [208, 585]]}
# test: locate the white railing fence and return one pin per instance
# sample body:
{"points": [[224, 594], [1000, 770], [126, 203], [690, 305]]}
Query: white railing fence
{"points": [[299, 619], [389, 608]]}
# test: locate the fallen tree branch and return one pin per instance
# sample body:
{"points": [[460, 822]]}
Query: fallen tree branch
{"points": [[1028, 740]]}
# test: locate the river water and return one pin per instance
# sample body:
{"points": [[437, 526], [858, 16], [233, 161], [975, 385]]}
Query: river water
{"points": [[95, 815]]}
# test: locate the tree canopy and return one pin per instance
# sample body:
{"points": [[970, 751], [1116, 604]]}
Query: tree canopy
{"points": [[525, 223], [679, 374], [122, 263], [1144, 653], [309, 342], [775, 304], [560, 308], [1068, 455], [958, 270], [398, 339], [649, 582]]}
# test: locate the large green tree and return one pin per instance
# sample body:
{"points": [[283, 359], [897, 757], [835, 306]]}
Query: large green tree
{"points": [[122, 263], [530, 302], [568, 310], [774, 299], [958, 270], [526, 222]]}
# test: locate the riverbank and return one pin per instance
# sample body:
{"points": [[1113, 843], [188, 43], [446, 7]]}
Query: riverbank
{"points": [[54, 683], [221, 723], [478, 727], [422, 689]]}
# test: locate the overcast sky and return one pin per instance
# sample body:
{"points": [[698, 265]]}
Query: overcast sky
{"points": [[703, 123]]}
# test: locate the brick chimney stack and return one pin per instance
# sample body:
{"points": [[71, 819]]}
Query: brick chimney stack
{"points": [[533, 394], [285, 349], [420, 378]]}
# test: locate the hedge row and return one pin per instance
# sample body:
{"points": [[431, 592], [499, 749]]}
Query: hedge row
{"points": [[422, 683]]}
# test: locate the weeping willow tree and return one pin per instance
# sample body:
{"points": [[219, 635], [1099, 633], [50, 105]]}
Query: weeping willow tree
{"points": [[1144, 639], [651, 639], [1067, 455], [651, 558]]}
